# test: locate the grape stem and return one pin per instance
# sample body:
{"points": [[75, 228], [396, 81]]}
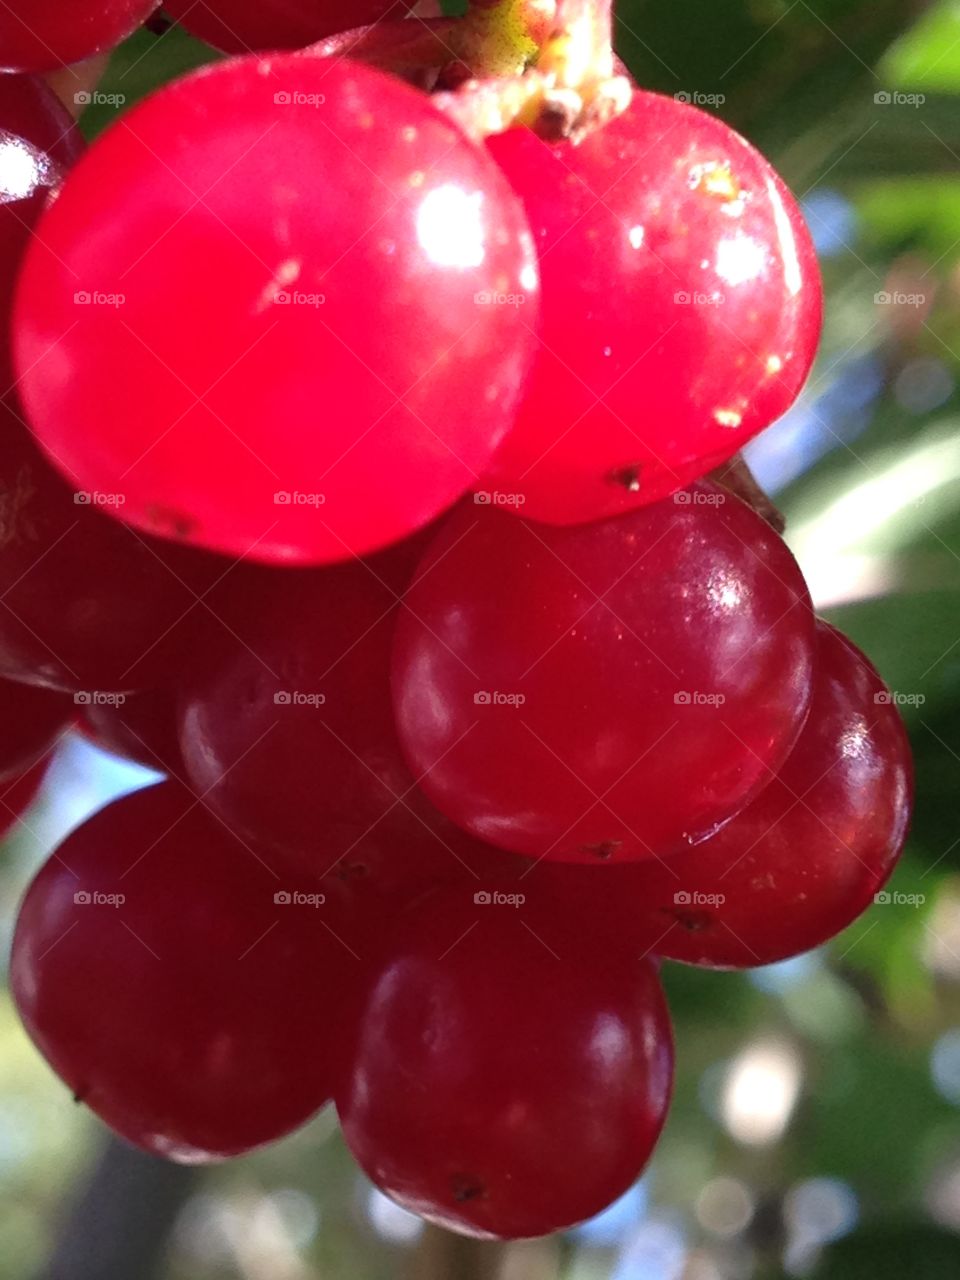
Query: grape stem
{"points": [[567, 89]]}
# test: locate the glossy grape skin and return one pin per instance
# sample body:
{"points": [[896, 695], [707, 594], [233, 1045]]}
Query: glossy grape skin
{"points": [[604, 629], [497, 1088], [41, 35], [292, 729], [636, 392], [239, 26], [802, 861], [198, 1018], [88, 604], [31, 720], [38, 144], [373, 205]]}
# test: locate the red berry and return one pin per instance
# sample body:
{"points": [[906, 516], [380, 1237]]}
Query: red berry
{"points": [[605, 692], [38, 144], [681, 308], [292, 730], [153, 968], [498, 1088], [41, 35], [87, 604], [802, 861], [239, 26], [286, 352]]}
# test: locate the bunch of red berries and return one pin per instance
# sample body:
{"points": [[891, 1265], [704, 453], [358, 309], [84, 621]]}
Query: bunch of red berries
{"points": [[359, 473]]}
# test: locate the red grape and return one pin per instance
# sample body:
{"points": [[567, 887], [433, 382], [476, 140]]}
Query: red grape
{"points": [[239, 26], [499, 1089], [227, 375], [32, 720], [293, 729], [38, 143], [681, 309], [41, 35], [85, 603], [806, 857], [156, 972], [608, 691]]}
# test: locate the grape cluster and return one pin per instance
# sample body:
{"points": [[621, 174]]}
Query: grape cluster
{"points": [[359, 474]]}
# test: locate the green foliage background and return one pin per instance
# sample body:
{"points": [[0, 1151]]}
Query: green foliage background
{"points": [[800, 79]]}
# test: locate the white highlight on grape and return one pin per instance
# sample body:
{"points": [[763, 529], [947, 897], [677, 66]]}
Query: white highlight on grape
{"points": [[741, 259], [450, 227], [22, 168]]}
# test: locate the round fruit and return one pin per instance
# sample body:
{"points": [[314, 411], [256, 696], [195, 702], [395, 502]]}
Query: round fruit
{"points": [[292, 729], [280, 337], [41, 35], [608, 692], [240, 26], [499, 1089], [680, 315], [174, 984], [802, 861]]}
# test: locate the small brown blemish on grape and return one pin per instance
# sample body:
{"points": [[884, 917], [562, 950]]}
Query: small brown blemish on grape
{"points": [[627, 477], [466, 1187], [604, 850], [692, 921], [80, 1094]]}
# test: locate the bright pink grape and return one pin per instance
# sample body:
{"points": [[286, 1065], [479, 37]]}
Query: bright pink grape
{"points": [[607, 691], [802, 861], [681, 308], [41, 35], [287, 341], [240, 26], [38, 144], [156, 968], [501, 1088]]}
